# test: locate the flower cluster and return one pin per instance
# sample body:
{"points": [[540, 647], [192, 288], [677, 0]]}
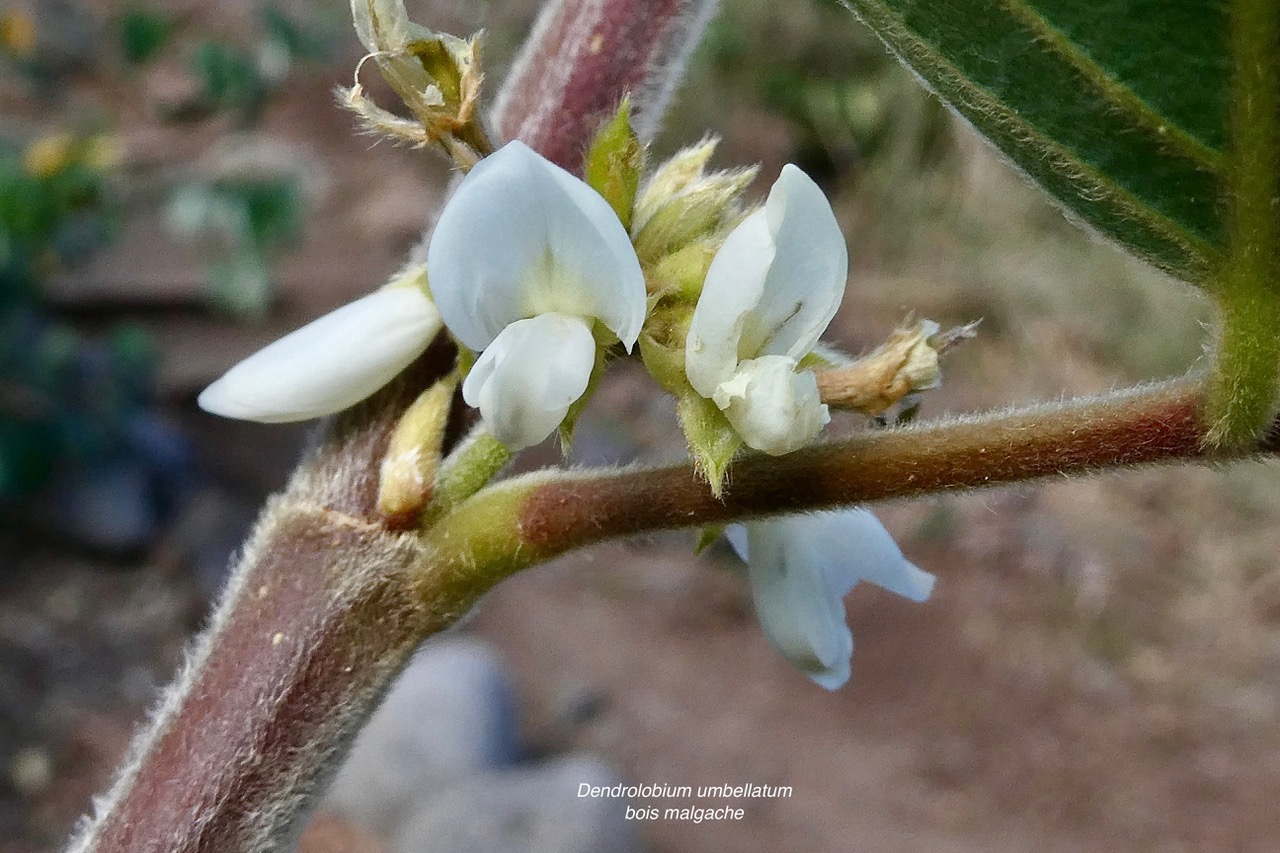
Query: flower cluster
{"points": [[532, 272]]}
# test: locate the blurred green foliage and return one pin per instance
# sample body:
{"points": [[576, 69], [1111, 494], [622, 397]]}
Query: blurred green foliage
{"points": [[68, 400], [53, 210], [143, 34], [312, 41], [241, 223], [62, 397], [231, 79], [854, 109], [239, 78]]}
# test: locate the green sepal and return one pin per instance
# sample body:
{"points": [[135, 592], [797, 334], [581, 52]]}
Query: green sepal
{"points": [[707, 537], [662, 347], [466, 361], [469, 468], [680, 275], [440, 61], [713, 442], [665, 365], [823, 356], [614, 162]]}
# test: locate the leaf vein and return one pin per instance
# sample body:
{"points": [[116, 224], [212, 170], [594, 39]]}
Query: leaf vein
{"points": [[1113, 91], [976, 102]]}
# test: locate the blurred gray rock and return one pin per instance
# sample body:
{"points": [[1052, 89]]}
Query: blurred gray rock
{"points": [[109, 506], [449, 716], [534, 809]]}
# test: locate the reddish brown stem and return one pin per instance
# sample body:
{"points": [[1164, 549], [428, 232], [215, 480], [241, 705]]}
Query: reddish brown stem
{"points": [[583, 56], [1158, 423], [317, 618]]}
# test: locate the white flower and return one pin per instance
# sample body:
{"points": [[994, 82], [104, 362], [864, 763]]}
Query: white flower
{"points": [[801, 568], [770, 292], [331, 363], [524, 261]]}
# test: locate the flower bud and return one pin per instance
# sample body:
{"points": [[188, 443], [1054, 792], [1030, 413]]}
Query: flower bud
{"points": [[436, 75], [904, 364], [681, 203]]}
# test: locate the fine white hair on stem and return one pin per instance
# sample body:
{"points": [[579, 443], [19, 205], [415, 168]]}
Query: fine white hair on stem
{"points": [[570, 47]]}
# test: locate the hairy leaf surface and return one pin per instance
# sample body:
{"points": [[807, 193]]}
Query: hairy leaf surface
{"points": [[1119, 108]]}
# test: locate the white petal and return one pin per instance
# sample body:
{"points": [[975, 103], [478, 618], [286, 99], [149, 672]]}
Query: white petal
{"points": [[879, 560], [771, 406], [773, 286], [329, 364], [527, 379], [806, 280], [523, 237], [802, 567], [799, 604], [733, 290], [737, 536]]}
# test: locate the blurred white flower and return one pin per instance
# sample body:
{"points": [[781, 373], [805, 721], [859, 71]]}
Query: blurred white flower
{"points": [[331, 363], [524, 261], [801, 568], [770, 292]]}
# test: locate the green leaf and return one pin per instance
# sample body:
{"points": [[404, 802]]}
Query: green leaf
{"points": [[1117, 107], [1157, 122], [707, 537]]}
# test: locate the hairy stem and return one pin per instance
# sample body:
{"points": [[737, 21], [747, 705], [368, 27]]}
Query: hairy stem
{"points": [[321, 611], [1151, 424], [1246, 378], [583, 57]]}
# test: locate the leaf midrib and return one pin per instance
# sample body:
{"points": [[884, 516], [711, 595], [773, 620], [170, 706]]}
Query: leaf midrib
{"points": [[991, 105], [1115, 92]]}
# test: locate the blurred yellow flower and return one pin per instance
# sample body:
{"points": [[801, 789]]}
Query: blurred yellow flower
{"points": [[17, 32], [49, 155]]}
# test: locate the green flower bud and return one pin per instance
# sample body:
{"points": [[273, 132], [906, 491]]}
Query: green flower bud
{"points": [[681, 203], [679, 275]]}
